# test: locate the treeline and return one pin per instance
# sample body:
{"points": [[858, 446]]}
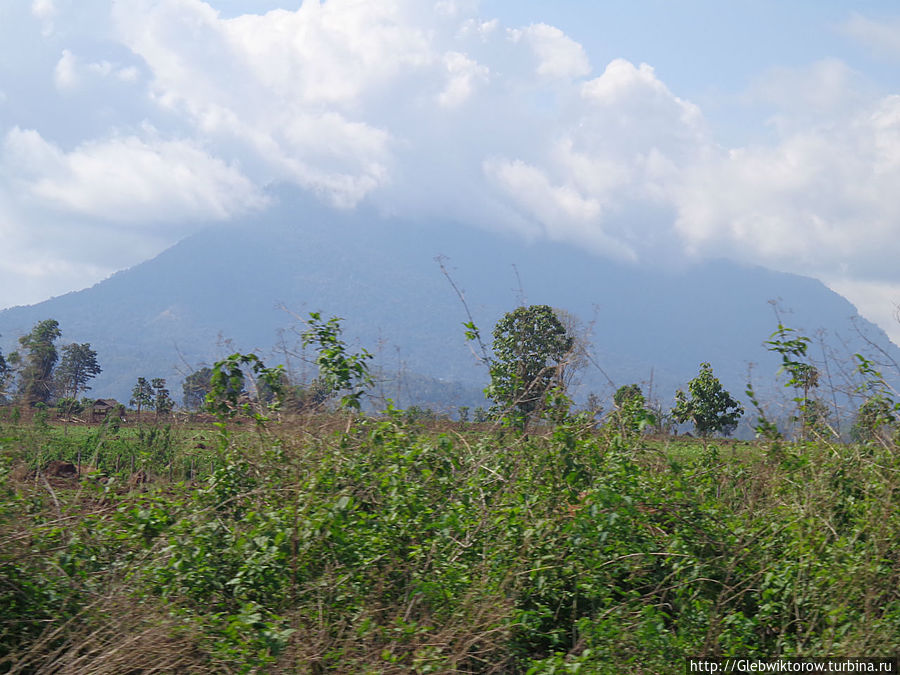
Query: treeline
{"points": [[531, 361], [38, 374], [373, 543]]}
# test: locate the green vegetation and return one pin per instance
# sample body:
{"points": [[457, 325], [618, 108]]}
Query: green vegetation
{"points": [[390, 546], [710, 408], [195, 387], [36, 365], [339, 371], [141, 395], [78, 367], [328, 540], [630, 415], [531, 347]]}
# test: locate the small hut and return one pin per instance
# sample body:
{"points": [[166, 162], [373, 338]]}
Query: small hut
{"points": [[103, 407]]}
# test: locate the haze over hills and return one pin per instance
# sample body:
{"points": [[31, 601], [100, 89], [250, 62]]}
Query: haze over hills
{"points": [[228, 289]]}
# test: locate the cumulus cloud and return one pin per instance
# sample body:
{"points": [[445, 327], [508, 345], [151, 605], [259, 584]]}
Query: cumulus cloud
{"points": [[464, 75], [432, 110], [127, 179], [71, 72], [817, 202], [288, 86], [65, 74], [44, 11], [558, 55]]}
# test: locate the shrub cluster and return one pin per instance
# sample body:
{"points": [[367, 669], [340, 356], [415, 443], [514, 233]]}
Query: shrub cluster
{"points": [[384, 547]]}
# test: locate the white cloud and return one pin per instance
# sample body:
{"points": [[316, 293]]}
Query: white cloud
{"points": [[287, 86], [482, 29], [879, 302], [818, 202], [882, 36], [70, 72], [429, 109], [464, 75], [639, 99], [65, 75], [823, 86], [559, 56], [128, 179], [45, 11]]}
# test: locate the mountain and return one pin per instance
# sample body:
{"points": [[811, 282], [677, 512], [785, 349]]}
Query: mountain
{"points": [[243, 287]]}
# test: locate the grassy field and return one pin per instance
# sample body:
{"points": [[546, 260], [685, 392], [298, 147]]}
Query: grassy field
{"points": [[380, 545]]}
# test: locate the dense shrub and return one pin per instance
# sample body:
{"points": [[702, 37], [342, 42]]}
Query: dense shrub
{"points": [[382, 547]]}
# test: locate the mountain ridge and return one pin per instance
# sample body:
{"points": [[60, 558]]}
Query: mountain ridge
{"points": [[233, 283]]}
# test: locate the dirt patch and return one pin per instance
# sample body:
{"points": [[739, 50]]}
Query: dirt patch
{"points": [[60, 469]]}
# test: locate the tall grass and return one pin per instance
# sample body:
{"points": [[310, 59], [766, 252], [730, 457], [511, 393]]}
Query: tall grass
{"points": [[381, 546]]}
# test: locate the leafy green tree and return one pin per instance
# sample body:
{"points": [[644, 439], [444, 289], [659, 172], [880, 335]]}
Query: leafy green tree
{"points": [[162, 400], [36, 384], [338, 370], [880, 411], [631, 415], [141, 395], [531, 347], [68, 407], [76, 368], [710, 408], [196, 386], [803, 376], [626, 394], [4, 376], [227, 394], [873, 418]]}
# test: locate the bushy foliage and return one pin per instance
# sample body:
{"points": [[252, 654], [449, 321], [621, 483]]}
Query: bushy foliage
{"points": [[195, 388], [38, 361], [141, 395], [879, 412], [710, 408], [77, 367], [339, 370], [530, 349], [385, 548], [68, 407], [630, 415]]}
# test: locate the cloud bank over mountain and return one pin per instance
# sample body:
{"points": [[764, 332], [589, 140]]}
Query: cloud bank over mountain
{"points": [[125, 125]]}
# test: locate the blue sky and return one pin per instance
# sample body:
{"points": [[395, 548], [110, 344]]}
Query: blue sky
{"points": [[657, 132]]}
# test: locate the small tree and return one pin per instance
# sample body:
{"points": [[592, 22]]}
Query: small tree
{"points": [[69, 407], [631, 415], [710, 408], [38, 361], [162, 400], [4, 376], [880, 411], [873, 419], [76, 368], [227, 394], [794, 361], [141, 395], [338, 370], [195, 387], [531, 347]]}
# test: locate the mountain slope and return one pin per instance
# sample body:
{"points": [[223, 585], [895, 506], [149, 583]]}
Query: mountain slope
{"points": [[232, 284]]}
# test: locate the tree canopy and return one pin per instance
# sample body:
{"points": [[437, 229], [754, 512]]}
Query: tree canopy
{"points": [[76, 368], [709, 407], [530, 348], [40, 357], [195, 387]]}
